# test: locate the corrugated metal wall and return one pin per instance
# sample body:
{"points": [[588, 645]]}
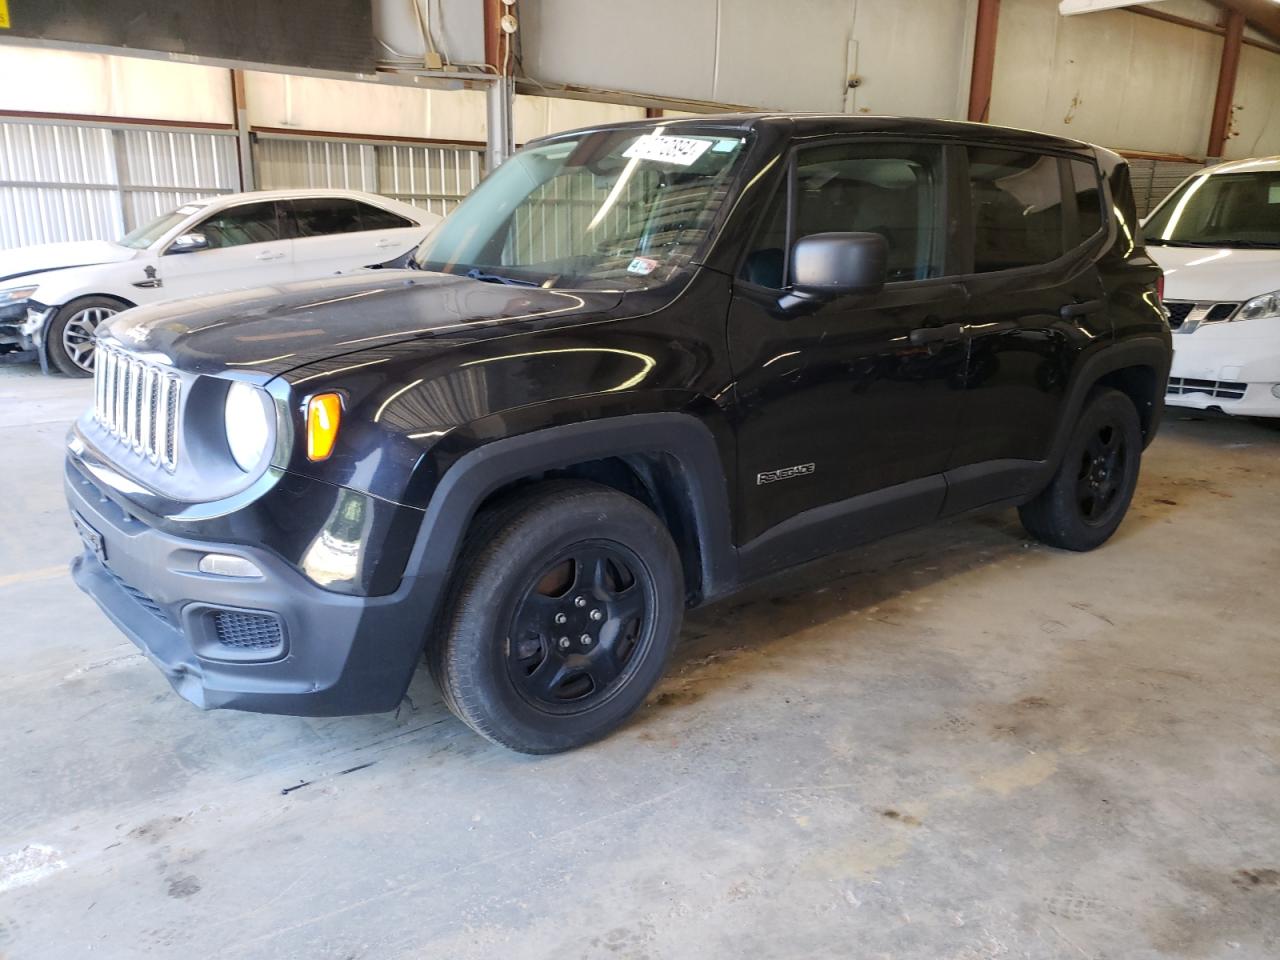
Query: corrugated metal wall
{"points": [[433, 177], [1153, 180], [79, 181]]}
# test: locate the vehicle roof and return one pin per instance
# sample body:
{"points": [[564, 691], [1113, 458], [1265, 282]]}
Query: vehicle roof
{"points": [[816, 124], [1253, 165], [301, 192]]}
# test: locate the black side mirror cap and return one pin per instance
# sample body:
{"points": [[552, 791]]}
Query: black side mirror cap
{"points": [[829, 265]]}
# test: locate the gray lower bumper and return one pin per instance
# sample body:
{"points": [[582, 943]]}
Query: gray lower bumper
{"points": [[339, 654]]}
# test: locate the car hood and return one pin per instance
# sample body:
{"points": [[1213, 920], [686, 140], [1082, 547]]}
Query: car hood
{"points": [[271, 330], [1216, 274], [27, 261]]}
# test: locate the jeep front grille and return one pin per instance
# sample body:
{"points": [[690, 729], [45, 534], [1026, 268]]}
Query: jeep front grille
{"points": [[137, 403]]}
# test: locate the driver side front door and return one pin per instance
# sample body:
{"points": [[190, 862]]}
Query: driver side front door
{"points": [[248, 245], [847, 410]]}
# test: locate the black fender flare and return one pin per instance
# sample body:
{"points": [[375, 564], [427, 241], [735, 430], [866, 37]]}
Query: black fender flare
{"points": [[1140, 351], [487, 468]]}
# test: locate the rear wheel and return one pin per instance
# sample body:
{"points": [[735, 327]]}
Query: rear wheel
{"points": [[569, 602], [1090, 494], [72, 333]]}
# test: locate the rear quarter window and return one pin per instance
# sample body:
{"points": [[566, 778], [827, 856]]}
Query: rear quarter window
{"points": [[1088, 190], [1016, 203]]}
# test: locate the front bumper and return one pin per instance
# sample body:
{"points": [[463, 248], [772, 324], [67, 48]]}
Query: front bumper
{"points": [[1227, 366], [333, 654], [22, 325]]}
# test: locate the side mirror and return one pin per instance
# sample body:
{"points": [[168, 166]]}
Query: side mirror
{"points": [[189, 243], [827, 265]]}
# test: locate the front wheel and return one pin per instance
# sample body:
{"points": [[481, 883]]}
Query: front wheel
{"points": [[72, 333], [1090, 493], [569, 600]]}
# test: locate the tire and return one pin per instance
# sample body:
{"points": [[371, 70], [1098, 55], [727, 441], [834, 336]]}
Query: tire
{"points": [[568, 601], [70, 333], [1090, 493]]}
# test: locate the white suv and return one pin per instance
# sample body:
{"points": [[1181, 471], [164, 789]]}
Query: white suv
{"points": [[53, 296], [1218, 239]]}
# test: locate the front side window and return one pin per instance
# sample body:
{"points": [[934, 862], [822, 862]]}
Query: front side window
{"points": [[1016, 208], [895, 190], [624, 208], [1220, 210], [236, 226]]}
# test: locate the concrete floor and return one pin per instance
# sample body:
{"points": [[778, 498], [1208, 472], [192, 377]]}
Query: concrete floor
{"points": [[954, 744]]}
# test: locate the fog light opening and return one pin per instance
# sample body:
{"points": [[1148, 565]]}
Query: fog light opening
{"points": [[1275, 390], [226, 565]]}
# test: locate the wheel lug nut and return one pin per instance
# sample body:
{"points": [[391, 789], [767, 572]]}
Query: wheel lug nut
{"points": [[579, 601], [586, 639], [561, 618], [564, 643], [597, 615]]}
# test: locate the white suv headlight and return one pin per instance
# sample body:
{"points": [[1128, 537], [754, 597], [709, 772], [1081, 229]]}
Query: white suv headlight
{"points": [[1261, 308], [247, 424]]}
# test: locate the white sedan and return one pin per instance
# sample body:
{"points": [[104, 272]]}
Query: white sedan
{"points": [[53, 296]]}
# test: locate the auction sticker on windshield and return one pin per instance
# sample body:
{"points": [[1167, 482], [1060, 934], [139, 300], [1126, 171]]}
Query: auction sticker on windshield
{"points": [[681, 151]]}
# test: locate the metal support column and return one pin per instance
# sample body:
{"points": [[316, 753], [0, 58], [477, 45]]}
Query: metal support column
{"points": [[244, 140], [500, 130], [1229, 66], [500, 98], [984, 60]]}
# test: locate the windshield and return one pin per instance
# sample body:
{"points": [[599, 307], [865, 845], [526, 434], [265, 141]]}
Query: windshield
{"points": [[144, 236], [1220, 210], [611, 209]]}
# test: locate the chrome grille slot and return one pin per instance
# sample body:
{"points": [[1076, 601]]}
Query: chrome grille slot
{"points": [[138, 403]]}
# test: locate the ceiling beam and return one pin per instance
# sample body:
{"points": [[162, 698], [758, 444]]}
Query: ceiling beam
{"points": [[1262, 14]]}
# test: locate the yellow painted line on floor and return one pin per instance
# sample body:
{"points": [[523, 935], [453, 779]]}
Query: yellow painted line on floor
{"points": [[28, 576]]}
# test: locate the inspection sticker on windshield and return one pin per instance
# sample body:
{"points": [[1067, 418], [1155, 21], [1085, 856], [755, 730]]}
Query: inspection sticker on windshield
{"points": [[678, 150], [642, 266]]}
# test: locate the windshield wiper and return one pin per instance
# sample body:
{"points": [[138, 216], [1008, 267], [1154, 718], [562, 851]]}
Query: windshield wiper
{"points": [[475, 273]]}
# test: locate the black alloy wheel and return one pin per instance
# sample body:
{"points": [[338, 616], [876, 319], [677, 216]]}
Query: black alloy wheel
{"points": [[1090, 491], [580, 627], [1103, 468], [566, 602]]}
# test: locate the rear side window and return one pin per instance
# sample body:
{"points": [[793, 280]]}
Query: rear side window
{"points": [[375, 218], [324, 216], [1088, 199], [893, 189], [1016, 203], [247, 223]]}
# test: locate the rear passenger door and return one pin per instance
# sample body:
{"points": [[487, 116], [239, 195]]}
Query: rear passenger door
{"points": [[337, 234], [1035, 306]]}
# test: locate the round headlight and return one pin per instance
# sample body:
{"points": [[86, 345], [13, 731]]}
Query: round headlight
{"points": [[248, 430]]}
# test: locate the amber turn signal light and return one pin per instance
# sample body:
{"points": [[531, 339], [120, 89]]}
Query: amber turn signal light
{"points": [[324, 412]]}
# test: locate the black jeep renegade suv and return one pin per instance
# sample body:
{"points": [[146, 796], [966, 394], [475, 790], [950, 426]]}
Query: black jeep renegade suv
{"points": [[639, 367]]}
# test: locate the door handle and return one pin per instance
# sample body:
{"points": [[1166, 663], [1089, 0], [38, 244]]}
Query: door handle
{"points": [[947, 333], [1072, 310], [268, 255], [386, 243]]}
